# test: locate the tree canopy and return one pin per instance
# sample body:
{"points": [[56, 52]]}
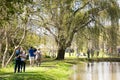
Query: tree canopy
{"points": [[92, 23]]}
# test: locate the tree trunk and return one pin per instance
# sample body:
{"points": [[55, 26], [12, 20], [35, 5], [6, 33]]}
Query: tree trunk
{"points": [[114, 30], [0, 47], [8, 61], [5, 52], [0, 51], [23, 37], [63, 43], [61, 53]]}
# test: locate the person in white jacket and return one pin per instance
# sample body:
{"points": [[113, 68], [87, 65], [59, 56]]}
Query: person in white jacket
{"points": [[23, 60], [38, 57]]}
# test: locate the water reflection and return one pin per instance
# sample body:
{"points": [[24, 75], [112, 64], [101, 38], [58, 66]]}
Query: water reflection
{"points": [[97, 71]]}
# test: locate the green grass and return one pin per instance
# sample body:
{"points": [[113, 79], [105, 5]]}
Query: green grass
{"points": [[49, 70]]}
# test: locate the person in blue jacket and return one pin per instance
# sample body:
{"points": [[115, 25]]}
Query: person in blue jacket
{"points": [[31, 56]]}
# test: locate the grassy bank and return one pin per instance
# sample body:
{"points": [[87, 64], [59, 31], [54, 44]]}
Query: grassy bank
{"points": [[49, 70]]}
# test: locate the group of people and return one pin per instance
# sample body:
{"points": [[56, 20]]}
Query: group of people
{"points": [[21, 56], [34, 56], [90, 52]]}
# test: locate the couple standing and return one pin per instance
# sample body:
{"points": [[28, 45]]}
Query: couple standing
{"points": [[20, 59], [34, 56]]}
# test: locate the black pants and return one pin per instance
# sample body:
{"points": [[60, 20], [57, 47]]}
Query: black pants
{"points": [[17, 66], [23, 65], [88, 54]]}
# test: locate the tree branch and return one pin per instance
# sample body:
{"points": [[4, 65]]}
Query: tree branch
{"points": [[80, 8], [52, 34], [78, 28]]}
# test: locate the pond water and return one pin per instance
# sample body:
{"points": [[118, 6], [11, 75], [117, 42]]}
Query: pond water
{"points": [[96, 71]]}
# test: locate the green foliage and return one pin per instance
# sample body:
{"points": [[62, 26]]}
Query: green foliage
{"points": [[31, 40], [10, 8], [46, 56]]}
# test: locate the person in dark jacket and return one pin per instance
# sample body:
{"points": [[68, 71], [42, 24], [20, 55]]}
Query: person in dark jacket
{"points": [[17, 60], [88, 53]]}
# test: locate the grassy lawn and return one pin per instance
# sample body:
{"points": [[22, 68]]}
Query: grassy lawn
{"points": [[49, 70]]}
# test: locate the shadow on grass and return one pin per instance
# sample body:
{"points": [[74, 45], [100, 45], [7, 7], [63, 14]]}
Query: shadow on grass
{"points": [[25, 76]]}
